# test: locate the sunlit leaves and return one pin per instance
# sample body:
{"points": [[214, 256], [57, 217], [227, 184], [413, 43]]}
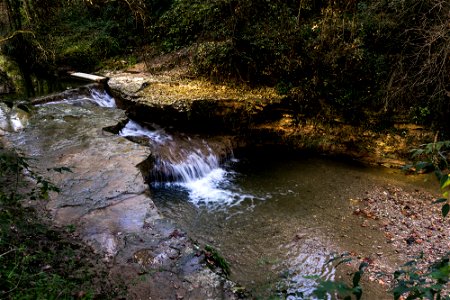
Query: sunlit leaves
{"points": [[445, 181]]}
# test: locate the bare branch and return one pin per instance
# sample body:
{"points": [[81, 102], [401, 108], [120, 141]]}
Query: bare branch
{"points": [[17, 32]]}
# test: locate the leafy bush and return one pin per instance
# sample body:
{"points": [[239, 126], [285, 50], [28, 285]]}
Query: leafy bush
{"points": [[434, 157], [415, 284]]}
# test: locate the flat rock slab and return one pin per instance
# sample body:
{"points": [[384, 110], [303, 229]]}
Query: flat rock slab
{"points": [[260, 115], [187, 102], [103, 167], [104, 197], [163, 90]]}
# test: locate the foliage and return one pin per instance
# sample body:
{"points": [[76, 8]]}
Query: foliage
{"points": [[37, 262], [415, 284], [214, 260], [433, 157], [344, 59], [321, 48], [420, 75], [72, 34]]}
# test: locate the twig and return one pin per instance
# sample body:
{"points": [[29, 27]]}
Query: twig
{"points": [[16, 33], [9, 251]]}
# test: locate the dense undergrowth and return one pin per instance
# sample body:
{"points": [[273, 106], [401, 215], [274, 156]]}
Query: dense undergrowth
{"points": [[36, 260], [357, 60]]}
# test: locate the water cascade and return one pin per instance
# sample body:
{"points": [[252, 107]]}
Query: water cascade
{"points": [[192, 164], [94, 96]]}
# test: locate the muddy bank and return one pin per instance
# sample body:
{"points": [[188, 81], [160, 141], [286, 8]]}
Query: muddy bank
{"points": [[104, 197], [259, 117]]}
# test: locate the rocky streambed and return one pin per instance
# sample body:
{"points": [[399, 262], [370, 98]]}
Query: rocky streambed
{"points": [[260, 117], [104, 197]]}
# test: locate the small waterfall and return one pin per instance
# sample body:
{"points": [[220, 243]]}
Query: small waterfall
{"points": [[102, 98], [179, 158], [92, 96], [156, 135], [190, 163]]}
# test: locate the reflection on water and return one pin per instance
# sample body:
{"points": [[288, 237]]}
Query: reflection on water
{"points": [[278, 219]]}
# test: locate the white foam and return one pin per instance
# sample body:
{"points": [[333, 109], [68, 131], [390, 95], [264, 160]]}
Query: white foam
{"points": [[192, 165], [101, 98], [16, 123], [132, 128]]}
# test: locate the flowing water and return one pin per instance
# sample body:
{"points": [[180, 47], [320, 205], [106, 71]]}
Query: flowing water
{"points": [[95, 96], [278, 218]]}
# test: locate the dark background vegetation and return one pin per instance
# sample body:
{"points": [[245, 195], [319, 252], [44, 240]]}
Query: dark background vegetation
{"points": [[362, 61], [369, 63]]}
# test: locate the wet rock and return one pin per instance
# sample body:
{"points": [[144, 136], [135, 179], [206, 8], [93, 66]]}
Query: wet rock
{"points": [[105, 198], [103, 185]]}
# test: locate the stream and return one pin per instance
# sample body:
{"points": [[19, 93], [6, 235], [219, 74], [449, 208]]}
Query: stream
{"points": [[279, 218]]}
